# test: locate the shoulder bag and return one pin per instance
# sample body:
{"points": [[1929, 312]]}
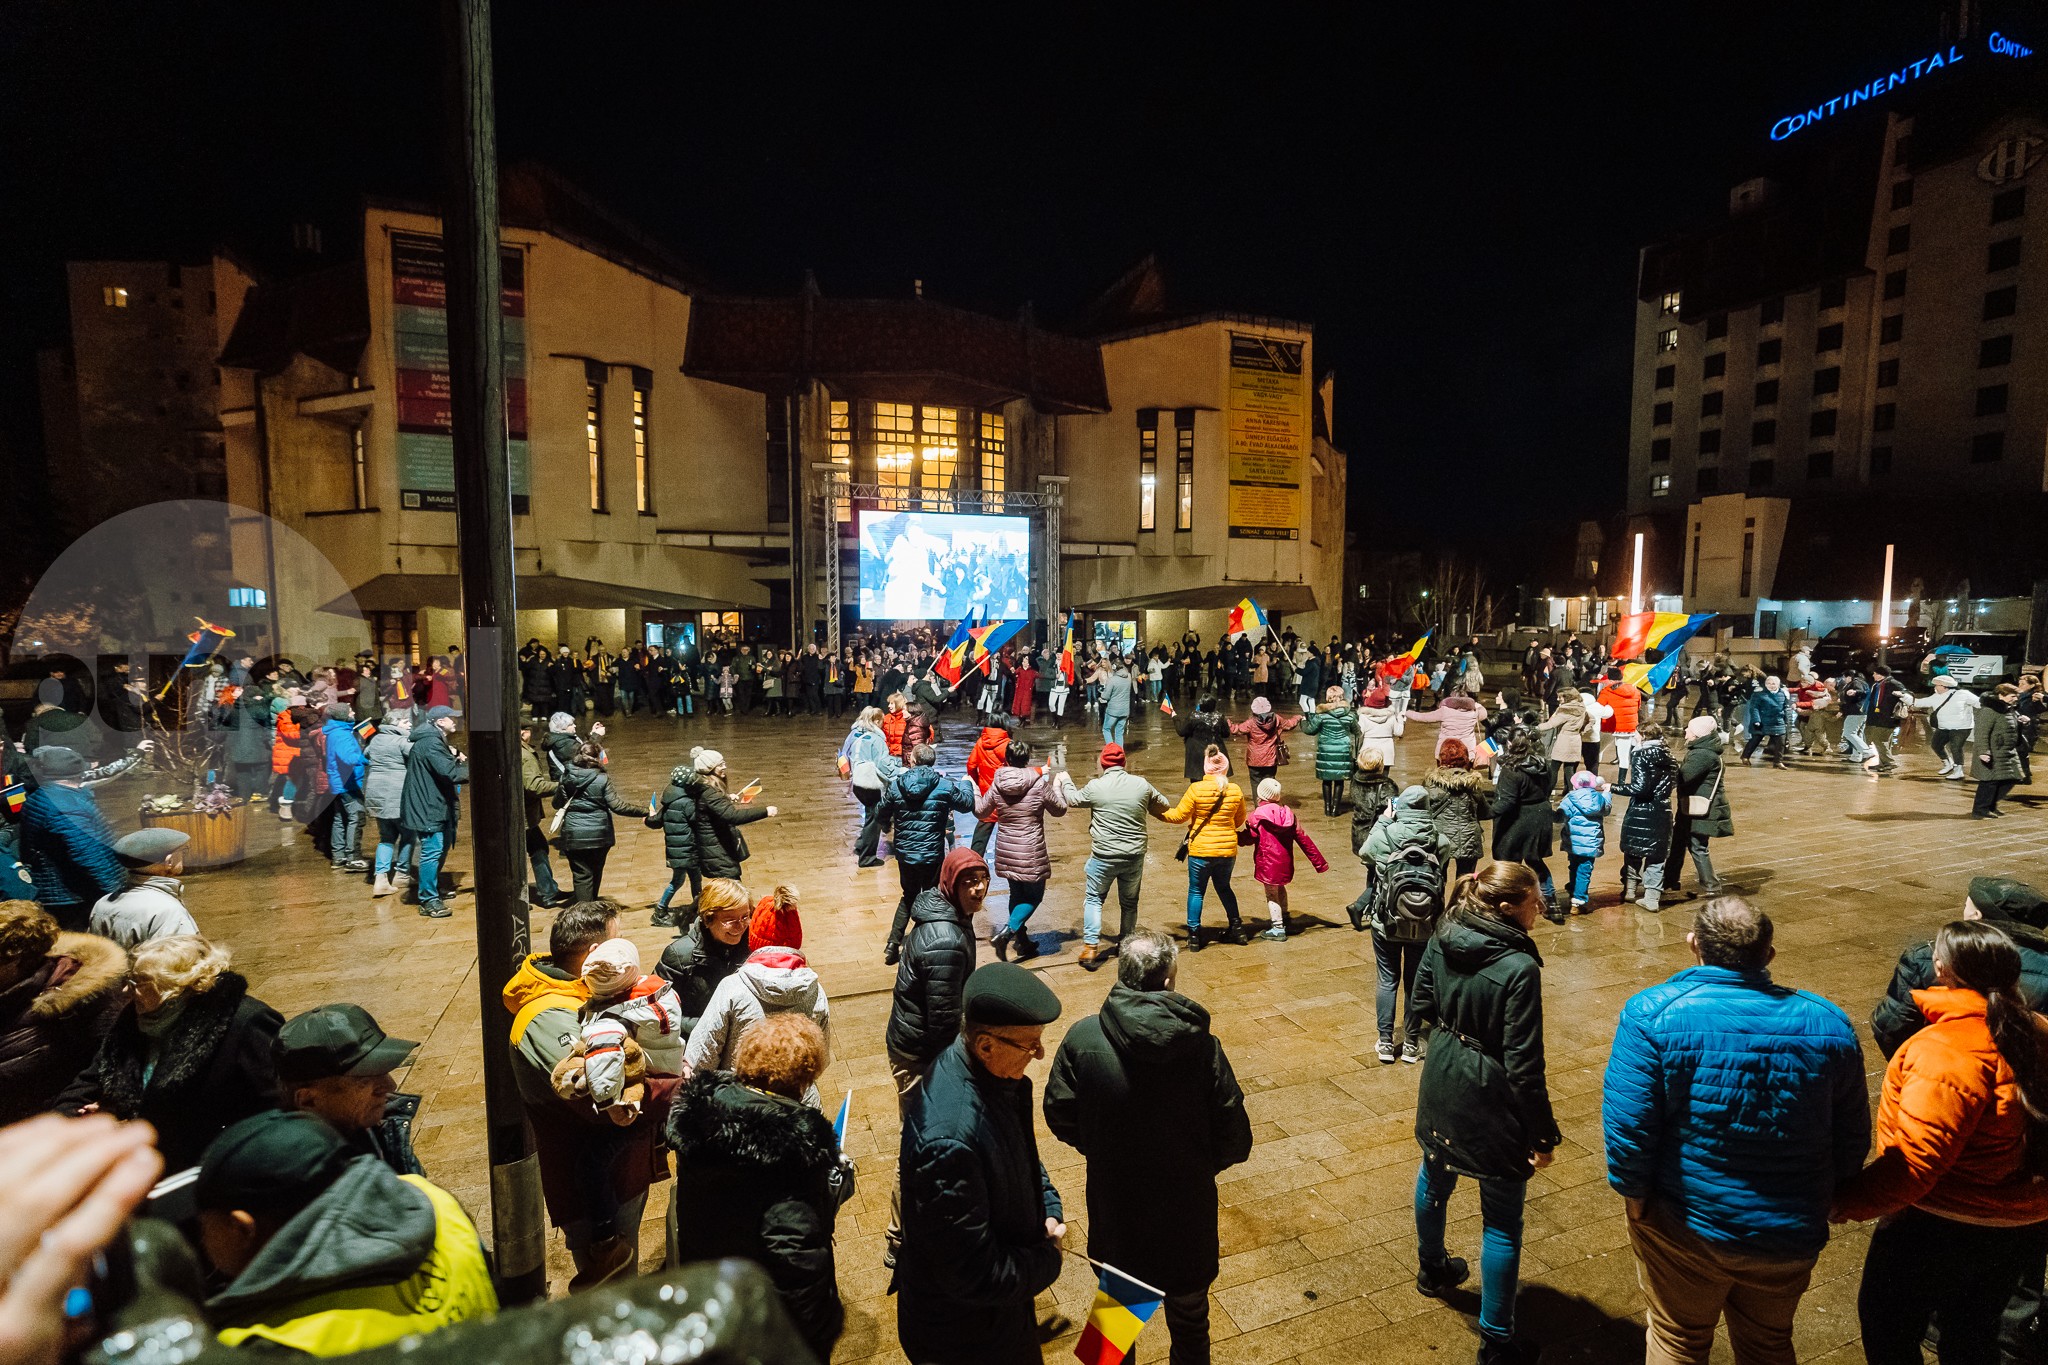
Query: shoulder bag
{"points": [[1698, 807], [1181, 854]]}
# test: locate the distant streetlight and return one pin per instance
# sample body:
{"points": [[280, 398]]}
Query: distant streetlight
{"points": [[1884, 609], [1635, 582]]}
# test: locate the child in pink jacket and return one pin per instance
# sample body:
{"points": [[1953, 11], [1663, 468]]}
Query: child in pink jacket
{"points": [[1276, 832]]}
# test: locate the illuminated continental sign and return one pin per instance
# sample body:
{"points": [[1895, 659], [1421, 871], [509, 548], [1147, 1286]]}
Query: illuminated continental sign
{"points": [[1998, 45]]}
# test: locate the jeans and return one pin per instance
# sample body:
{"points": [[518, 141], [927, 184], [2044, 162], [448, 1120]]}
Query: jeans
{"points": [[1852, 737], [348, 825], [1113, 729], [1203, 871], [1581, 865], [1500, 1249], [676, 877], [1691, 1283], [433, 848], [586, 866], [1024, 899], [1128, 873], [1397, 962], [1543, 882], [395, 847], [1921, 1268], [870, 837], [543, 870], [914, 877]]}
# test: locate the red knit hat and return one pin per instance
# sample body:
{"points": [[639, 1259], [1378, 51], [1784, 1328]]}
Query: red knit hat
{"points": [[1112, 755]]}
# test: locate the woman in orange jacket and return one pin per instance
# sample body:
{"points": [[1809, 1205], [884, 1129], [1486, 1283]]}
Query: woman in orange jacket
{"points": [[1962, 1213]]}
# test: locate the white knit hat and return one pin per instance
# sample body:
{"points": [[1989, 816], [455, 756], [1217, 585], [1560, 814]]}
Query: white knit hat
{"points": [[613, 966], [708, 761]]}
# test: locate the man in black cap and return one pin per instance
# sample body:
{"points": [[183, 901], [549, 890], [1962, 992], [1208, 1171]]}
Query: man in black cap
{"points": [[336, 1062], [981, 1219], [325, 1253], [152, 904], [2018, 909]]}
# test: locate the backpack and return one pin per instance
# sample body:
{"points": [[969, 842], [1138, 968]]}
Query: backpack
{"points": [[1411, 891]]}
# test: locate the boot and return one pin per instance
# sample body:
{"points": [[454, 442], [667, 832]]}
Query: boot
{"points": [[1437, 1280], [382, 886], [1357, 912], [1195, 943], [603, 1262], [1237, 933]]}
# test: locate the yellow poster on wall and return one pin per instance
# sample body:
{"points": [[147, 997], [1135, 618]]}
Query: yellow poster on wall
{"points": [[1266, 436]]}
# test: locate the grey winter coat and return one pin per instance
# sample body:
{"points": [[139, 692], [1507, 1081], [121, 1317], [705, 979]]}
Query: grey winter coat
{"points": [[384, 782], [1019, 799], [1459, 798], [1119, 802]]}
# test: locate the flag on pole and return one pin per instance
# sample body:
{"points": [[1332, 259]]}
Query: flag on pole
{"points": [[206, 642], [1399, 665], [987, 638], [1067, 649], [952, 660], [1247, 618], [1664, 632], [1122, 1308]]}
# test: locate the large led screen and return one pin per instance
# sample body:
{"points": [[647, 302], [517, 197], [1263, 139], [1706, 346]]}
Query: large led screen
{"points": [[935, 565]]}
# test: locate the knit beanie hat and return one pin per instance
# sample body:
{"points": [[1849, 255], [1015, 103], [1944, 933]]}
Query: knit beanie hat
{"points": [[1261, 707], [1377, 698], [612, 967], [1217, 764], [1582, 780], [1269, 789], [561, 723], [708, 761]]}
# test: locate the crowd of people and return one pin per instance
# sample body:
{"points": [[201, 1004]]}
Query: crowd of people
{"points": [[324, 1234]]}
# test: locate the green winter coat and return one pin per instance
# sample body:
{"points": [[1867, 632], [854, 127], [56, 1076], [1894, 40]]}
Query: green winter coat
{"points": [[1335, 726]]}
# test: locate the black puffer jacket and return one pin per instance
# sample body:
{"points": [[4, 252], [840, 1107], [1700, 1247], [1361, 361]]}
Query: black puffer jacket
{"points": [[721, 848], [1197, 731], [1145, 1092], [917, 808], [588, 803], [1521, 812], [931, 978], [1897, 1018], [1459, 798], [694, 964], [758, 1177], [675, 815], [1652, 777], [213, 1069], [52, 1021], [1483, 1105]]}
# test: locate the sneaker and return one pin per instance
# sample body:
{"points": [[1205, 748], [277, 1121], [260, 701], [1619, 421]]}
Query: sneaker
{"points": [[605, 1262], [1389, 1053], [1578, 907], [1436, 1280], [1276, 934], [1956, 776], [870, 862], [1648, 903], [434, 910], [1411, 1053], [352, 865], [664, 918]]}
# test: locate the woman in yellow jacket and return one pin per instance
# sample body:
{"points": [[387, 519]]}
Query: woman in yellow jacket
{"points": [[1213, 809]]}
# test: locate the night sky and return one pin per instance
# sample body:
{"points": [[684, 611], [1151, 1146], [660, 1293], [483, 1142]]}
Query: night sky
{"points": [[1454, 197]]}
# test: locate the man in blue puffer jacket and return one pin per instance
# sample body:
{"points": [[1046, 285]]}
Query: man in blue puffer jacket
{"points": [[1732, 1108], [346, 767], [917, 808]]}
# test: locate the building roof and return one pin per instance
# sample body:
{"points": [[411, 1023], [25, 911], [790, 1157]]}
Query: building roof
{"points": [[1987, 547], [324, 314], [908, 349]]}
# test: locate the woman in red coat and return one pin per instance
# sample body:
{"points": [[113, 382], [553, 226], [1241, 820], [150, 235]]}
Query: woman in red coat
{"points": [[1023, 699]]}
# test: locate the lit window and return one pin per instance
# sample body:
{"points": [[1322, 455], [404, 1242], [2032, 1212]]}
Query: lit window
{"points": [[1667, 340], [1184, 470], [994, 460], [255, 598], [593, 439], [1148, 470], [841, 442], [359, 462], [895, 433], [643, 472], [114, 296], [1660, 485], [939, 455], [1668, 305]]}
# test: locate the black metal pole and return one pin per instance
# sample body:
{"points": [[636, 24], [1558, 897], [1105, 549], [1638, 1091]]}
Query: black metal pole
{"points": [[483, 521]]}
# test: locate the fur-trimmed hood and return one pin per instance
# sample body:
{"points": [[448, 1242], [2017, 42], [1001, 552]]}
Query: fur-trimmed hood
{"points": [[715, 1118], [101, 970], [1469, 780]]}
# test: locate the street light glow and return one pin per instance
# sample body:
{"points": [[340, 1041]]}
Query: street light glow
{"points": [[1635, 583]]}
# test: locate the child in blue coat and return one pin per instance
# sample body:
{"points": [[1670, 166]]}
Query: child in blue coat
{"points": [[1585, 809]]}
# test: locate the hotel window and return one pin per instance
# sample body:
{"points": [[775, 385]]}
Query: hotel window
{"points": [[1660, 450], [2008, 205], [1891, 328], [1710, 442], [643, 469], [1880, 459], [938, 466], [1184, 469], [593, 429], [2002, 303], [1764, 432], [1895, 284], [1828, 380], [1992, 399], [1761, 472], [1768, 352], [1770, 311], [1888, 373], [1834, 294], [1748, 557], [1820, 464], [1717, 326], [1667, 375], [1667, 340], [1898, 239], [1710, 403], [114, 296], [1660, 485], [1902, 195], [1714, 366], [1987, 447], [1828, 338], [1994, 351], [839, 444], [2003, 255], [1707, 481], [1668, 305], [995, 455], [894, 427], [1884, 416], [1821, 422], [359, 468], [1660, 415], [1148, 469], [1766, 392]]}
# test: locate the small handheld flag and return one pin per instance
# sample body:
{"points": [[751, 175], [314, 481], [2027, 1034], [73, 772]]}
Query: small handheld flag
{"points": [[15, 794], [1166, 706], [952, 660], [1067, 649], [366, 730], [653, 805], [749, 792], [1122, 1308], [206, 642], [839, 1123]]}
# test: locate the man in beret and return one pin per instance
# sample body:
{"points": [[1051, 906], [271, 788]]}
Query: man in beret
{"points": [[981, 1219], [328, 1253], [65, 841], [336, 1062], [152, 904], [2018, 909]]}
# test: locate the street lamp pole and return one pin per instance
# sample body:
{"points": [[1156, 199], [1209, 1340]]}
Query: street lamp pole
{"points": [[1884, 611], [483, 525], [1635, 582]]}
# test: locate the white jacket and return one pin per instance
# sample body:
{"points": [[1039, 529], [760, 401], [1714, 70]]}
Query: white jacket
{"points": [[143, 911], [1953, 708], [652, 1015], [777, 983]]}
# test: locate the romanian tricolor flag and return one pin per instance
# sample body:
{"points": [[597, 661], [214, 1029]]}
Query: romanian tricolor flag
{"points": [[15, 794], [1247, 618], [206, 642], [952, 660], [986, 639], [1661, 632], [1067, 649], [1122, 1308], [1398, 666]]}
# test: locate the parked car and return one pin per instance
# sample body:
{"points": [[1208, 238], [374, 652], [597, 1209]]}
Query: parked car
{"points": [[1903, 652], [1982, 657]]}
